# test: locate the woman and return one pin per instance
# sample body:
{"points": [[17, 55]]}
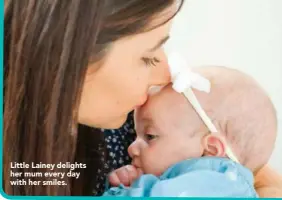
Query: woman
{"points": [[74, 62]]}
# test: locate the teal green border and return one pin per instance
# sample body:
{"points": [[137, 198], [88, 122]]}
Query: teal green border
{"points": [[1, 135]]}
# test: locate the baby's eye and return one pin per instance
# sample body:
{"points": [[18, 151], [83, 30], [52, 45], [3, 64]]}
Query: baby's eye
{"points": [[150, 137]]}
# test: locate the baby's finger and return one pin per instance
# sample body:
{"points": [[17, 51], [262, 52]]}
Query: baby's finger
{"points": [[132, 173], [113, 179], [123, 176]]}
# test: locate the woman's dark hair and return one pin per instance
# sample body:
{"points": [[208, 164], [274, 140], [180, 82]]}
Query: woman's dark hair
{"points": [[48, 45]]}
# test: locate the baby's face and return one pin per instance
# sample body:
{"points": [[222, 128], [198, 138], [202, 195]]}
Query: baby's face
{"points": [[168, 131]]}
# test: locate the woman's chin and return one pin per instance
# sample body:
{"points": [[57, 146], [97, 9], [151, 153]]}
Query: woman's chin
{"points": [[116, 123], [113, 123]]}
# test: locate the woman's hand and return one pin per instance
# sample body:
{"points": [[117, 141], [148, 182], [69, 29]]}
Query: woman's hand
{"points": [[268, 183], [125, 175]]}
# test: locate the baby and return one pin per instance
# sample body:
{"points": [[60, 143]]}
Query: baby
{"points": [[175, 154]]}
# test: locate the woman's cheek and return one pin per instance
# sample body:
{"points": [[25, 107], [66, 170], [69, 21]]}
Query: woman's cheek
{"points": [[139, 91]]}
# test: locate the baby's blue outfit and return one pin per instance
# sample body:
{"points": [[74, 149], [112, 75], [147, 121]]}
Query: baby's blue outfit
{"points": [[200, 177]]}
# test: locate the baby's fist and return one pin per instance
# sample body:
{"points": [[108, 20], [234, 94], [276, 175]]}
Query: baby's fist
{"points": [[125, 175]]}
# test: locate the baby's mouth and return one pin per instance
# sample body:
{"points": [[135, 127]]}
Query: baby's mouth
{"points": [[138, 167], [136, 164]]}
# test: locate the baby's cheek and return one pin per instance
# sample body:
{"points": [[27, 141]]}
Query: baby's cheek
{"points": [[155, 163], [149, 162]]}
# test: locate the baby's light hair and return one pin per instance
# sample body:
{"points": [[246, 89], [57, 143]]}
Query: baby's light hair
{"points": [[244, 113]]}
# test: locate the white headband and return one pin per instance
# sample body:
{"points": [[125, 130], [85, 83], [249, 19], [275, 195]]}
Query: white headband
{"points": [[183, 80]]}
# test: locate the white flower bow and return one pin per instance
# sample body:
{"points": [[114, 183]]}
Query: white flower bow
{"points": [[183, 77]]}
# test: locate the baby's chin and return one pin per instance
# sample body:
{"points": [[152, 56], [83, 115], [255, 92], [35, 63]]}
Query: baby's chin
{"points": [[153, 170]]}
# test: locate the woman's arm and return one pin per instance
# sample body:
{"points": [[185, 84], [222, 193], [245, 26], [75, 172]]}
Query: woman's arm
{"points": [[268, 183]]}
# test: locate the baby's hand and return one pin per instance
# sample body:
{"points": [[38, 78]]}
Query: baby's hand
{"points": [[125, 175]]}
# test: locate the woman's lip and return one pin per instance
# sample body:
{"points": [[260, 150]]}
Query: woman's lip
{"points": [[142, 102]]}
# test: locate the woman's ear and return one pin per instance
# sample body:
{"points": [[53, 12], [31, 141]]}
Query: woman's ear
{"points": [[214, 145]]}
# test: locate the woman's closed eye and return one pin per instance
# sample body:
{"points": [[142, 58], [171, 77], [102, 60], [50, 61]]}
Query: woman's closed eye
{"points": [[150, 62]]}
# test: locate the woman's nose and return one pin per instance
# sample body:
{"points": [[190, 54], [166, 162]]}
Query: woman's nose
{"points": [[160, 74]]}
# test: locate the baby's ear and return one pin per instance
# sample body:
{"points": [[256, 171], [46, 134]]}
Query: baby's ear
{"points": [[214, 145]]}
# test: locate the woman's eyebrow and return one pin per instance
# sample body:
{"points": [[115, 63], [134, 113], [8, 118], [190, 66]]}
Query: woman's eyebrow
{"points": [[159, 44]]}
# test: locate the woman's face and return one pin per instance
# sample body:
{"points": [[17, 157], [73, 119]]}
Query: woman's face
{"points": [[122, 81]]}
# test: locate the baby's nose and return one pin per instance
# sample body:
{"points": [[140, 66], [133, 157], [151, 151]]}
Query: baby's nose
{"points": [[134, 150]]}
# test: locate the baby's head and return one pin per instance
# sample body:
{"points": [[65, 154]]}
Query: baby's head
{"points": [[169, 130]]}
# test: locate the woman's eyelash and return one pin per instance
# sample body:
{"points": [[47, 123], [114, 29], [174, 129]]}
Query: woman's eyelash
{"points": [[151, 61]]}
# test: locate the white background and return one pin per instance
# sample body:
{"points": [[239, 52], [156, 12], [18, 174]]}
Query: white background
{"points": [[242, 34]]}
